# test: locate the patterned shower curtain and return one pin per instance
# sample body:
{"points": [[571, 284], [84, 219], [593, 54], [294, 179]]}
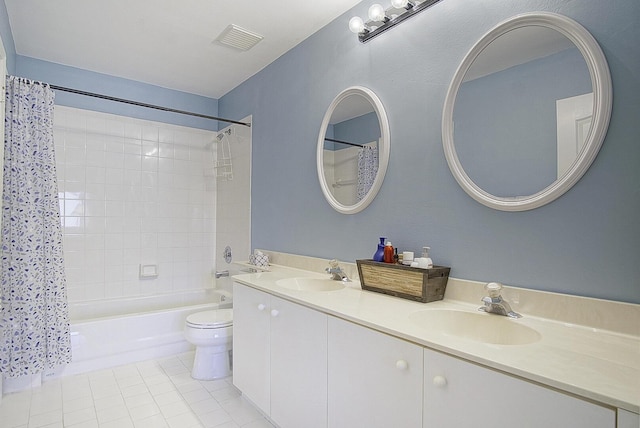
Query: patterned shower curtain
{"points": [[367, 170], [34, 321]]}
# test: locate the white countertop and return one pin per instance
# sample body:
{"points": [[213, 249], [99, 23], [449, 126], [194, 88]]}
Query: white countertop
{"points": [[594, 363]]}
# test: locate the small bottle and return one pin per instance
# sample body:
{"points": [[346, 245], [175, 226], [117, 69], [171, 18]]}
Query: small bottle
{"points": [[425, 254], [395, 256], [388, 252], [379, 254]]}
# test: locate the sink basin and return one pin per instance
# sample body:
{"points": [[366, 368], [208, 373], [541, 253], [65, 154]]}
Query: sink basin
{"points": [[310, 284], [479, 327]]}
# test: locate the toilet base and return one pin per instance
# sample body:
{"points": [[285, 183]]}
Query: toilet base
{"points": [[211, 363]]}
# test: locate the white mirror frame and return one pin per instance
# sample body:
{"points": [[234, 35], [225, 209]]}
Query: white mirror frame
{"points": [[383, 150], [600, 78]]}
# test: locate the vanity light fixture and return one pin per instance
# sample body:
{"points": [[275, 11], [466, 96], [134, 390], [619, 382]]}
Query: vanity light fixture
{"points": [[377, 13], [381, 19]]}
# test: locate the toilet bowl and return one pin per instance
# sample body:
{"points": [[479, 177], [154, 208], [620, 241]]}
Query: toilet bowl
{"points": [[211, 332]]}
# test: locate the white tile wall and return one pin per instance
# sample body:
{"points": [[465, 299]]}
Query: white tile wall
{"points": [[134, 192]]}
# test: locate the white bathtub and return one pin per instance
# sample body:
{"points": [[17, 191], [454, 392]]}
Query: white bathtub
{"points": [[107, 333]]}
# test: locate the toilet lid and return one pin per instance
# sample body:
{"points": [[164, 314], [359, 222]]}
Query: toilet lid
{"points": [[214, 318]]}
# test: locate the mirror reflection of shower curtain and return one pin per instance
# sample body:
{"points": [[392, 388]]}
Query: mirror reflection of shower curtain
{"points": [[34, 320], [367, 170]]}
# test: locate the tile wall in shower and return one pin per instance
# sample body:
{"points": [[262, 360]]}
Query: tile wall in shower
{"points": [[133, 192]]}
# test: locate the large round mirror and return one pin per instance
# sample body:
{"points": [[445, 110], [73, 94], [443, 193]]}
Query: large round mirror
{"points": [[353, 150], [527, 111]]}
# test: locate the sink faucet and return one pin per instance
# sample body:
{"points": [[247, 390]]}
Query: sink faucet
{"points": [[494, 304], [337, 274]]}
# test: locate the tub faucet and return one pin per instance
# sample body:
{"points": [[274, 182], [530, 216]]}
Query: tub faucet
{"points": [[219, 274], [337, 274], [494, 304]]}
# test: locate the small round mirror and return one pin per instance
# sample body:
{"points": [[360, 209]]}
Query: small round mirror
{"points": [[353, 150], [527, 111]]}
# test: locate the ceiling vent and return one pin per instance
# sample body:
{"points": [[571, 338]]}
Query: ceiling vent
{"points": [[238, 38]]}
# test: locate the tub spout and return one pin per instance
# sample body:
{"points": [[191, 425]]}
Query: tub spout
{"points": [[221, 273]]}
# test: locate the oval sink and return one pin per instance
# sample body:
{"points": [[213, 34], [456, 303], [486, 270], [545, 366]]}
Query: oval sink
{"points": [[310, 284], [479, 327]]}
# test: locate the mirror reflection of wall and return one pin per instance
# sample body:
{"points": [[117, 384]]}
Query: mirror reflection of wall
{"points": [[350, 155], [505, 123]]}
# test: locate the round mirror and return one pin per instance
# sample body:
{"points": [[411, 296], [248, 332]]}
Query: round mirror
{"points": [[353, 150], [529, 108]]}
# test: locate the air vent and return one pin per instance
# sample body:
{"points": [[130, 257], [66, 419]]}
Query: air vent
{"points": [[238, 38]]}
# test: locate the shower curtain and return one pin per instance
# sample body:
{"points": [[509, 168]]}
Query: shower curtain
{"points": [[367, 170], [34, 321]]}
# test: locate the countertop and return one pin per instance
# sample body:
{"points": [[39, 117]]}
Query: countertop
{"points": [[593, 363]]}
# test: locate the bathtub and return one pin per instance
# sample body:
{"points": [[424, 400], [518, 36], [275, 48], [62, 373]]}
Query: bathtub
{"points": [[112, 332]]}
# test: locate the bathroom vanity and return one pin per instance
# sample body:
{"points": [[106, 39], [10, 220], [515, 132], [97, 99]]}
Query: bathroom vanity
{"points": [[347, 357]]}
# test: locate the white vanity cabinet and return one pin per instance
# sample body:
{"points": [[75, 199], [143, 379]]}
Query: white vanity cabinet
{"points": [[251, 345], [280, 357], [628, 419], [375, 380], [461, 394], [305, 368]]}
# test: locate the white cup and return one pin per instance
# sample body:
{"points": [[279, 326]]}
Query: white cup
{"points": [[407, 257]]}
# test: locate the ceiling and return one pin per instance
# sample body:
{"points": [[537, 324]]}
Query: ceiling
{"points": [[168, 43]]}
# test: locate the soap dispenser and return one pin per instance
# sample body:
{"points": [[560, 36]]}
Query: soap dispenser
{"points": [[379, 254], [425, 255]]}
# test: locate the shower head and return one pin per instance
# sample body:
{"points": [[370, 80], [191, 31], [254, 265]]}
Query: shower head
{"points": [[227, 132]]}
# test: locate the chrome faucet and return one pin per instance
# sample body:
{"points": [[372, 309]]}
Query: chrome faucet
{"points": [[220, 274], [337, 274], [494, 304]]}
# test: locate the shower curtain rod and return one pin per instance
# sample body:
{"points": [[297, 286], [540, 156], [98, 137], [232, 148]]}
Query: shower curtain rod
{"points": [[343, 142], [139, 104]]}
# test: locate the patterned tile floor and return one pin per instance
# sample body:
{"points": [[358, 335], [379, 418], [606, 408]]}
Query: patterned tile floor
{"points": [[150, 394]]}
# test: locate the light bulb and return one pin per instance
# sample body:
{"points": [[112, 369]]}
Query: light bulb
{"points": [[356, 25], [376, 13], [399, 3]]}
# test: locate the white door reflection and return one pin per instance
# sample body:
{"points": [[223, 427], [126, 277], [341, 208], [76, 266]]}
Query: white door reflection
{"points": [[574, 115]]}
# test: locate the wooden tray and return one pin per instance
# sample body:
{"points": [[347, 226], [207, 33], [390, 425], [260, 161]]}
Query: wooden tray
{"points": [[421, 285]]}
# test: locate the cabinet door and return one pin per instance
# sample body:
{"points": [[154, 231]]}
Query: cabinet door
{"points": [[627, 419], [375, 380], [298, 366], [461, 394], [251, 356]]}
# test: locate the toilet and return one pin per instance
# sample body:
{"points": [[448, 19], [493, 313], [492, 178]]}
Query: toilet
{"points": [[211, 332]]}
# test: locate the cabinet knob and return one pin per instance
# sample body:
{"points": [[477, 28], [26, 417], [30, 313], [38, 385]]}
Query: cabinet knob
{"points": [[440, 381], [274, 312], [261, 307], [402, 365]]}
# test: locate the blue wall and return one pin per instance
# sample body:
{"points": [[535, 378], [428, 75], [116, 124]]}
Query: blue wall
{"points": [[359, 130], [103, 84], [587, 242]]}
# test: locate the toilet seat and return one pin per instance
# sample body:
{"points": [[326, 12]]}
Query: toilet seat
{"points": [[217, 318]]}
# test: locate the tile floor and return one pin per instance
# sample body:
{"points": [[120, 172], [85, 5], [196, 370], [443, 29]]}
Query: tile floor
{"points": [[150, 394]]}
